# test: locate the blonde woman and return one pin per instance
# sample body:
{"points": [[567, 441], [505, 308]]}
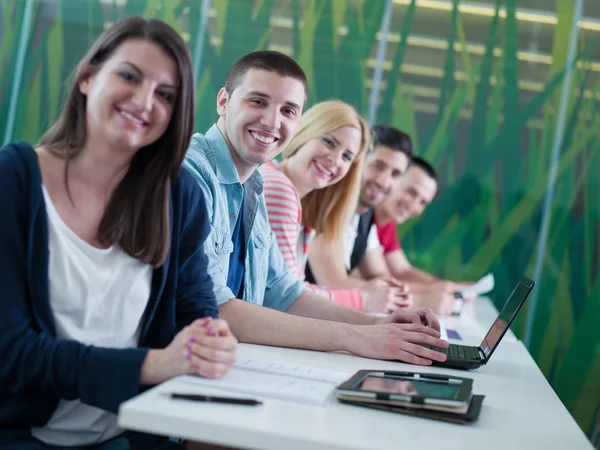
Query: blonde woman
{"points": [[315, 190]]}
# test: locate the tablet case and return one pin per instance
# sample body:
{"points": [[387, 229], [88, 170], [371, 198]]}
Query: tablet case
{"points": [[469, 417], [458, 409]]}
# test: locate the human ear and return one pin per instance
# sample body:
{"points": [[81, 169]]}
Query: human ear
{"points": [[222, 100], [84, 79]]}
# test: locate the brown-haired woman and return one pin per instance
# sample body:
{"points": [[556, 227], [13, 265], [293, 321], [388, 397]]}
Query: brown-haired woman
{"points": [[104, 280]]}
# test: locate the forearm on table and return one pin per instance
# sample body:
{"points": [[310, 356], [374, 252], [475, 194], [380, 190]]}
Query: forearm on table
{"points": [[260, 325], [336, 277], [351, 298], [310, 304], [415, 276]]}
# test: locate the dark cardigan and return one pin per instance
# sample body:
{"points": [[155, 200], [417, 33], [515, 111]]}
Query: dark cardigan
{"points": [[37, 369]]}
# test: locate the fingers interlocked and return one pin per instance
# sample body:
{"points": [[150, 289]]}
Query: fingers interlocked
{"points": [[209, 348]]}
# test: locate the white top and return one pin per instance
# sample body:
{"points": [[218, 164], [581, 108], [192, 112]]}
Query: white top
{"points": [[98, 297], [351, 233]]}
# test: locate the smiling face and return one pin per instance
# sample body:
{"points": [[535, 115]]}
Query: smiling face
{"points": [[383, 167], [413, 192], [325, 160], [259, 118], [131, 96]]}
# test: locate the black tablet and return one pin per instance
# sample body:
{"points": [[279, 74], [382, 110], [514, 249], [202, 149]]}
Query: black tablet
{"points": [[389, 387]]}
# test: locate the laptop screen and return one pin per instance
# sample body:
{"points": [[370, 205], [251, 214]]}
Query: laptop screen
{"points": [[507, 315]]}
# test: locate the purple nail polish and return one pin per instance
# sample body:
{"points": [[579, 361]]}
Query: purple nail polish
{"points": [[210, 330], [192, 339], [188, 345], [189, 356]]}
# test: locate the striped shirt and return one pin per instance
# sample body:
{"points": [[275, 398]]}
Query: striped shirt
{"points": [[285, 216]]}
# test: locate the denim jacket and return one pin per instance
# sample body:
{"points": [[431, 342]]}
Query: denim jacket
{"points": [[267, 280]]}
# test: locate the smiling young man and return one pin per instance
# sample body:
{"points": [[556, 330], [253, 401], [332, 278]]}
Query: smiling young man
{"points": [[413, 192], [259, 111]]}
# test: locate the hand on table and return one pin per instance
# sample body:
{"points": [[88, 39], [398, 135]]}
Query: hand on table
{"points": [[383, 296], [400, 336], [440, 301], [206, 347], [418, 316], [404, 297], [398, 341], [451, 287]]}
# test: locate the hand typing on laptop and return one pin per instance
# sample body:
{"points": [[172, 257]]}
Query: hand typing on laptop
{"points": [[420, 316], [402, 335]]}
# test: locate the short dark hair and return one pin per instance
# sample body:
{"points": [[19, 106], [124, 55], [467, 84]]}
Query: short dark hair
{"points": [[269, 60], [424, 165], [393, 138]]}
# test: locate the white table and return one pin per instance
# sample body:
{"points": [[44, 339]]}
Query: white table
{"points": [[520, 411]]}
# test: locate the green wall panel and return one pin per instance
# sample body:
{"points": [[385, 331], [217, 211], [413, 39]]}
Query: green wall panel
{"points": [[479, 93]]}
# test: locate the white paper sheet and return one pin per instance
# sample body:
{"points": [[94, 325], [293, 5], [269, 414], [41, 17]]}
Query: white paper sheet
{"points": [[483, 286], [272, 379]]}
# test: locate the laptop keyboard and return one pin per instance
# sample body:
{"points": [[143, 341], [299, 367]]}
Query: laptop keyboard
{"points": [[457, 351]]}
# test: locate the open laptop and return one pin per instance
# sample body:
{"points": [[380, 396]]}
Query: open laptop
{"points": [[469, 357]]}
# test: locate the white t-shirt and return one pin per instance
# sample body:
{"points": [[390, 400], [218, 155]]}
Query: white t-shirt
{"points": [[351, 233], [97, 297]]}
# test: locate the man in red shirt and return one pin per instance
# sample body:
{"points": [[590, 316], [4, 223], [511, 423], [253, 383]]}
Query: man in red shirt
{"points": [[413, 192]]}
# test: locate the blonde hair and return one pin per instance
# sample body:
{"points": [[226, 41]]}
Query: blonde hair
{"points": [[330, 209]]}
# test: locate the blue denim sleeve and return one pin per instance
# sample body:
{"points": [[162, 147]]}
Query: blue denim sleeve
{"points": [[283, 287]]}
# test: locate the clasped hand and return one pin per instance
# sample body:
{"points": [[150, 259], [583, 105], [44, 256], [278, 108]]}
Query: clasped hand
{"points": [[206, 347]]}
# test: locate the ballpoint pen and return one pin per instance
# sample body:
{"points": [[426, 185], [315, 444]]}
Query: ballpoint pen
{"points": [[214, 399]]}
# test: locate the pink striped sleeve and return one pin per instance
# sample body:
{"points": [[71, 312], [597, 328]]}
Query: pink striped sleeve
{"points": [[352, 298], [285, 215]]}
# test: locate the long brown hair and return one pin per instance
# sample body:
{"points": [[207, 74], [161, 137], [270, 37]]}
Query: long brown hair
{"points": [[330, 209], [137, 214]]}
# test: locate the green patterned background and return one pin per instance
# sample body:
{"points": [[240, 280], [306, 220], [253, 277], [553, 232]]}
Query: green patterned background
{"points": [[476, 83]]}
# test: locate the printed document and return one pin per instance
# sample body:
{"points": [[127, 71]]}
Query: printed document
{"points": [[273, 379]]}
